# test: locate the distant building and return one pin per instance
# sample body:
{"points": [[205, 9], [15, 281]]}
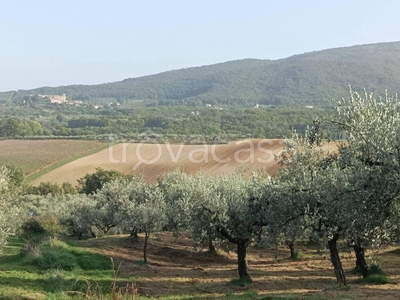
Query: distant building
{"points": [[75, 102], [61, 99], [55, 98]]}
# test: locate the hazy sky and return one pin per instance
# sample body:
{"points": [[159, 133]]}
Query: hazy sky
{"points": [[52, 43]]}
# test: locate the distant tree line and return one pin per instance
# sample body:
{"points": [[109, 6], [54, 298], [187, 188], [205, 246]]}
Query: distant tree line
{"points": [[179, 120], [15, 127]]}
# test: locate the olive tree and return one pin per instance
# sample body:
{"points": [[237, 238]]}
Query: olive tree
{"points": [[71, 213], [9, 212], [372, 152], [275, 207], [148, 214], [77, 215], [179, 195], [205, 199], [91, 183], [350, 193], [319, 190], [111, 204], [229, 211]]}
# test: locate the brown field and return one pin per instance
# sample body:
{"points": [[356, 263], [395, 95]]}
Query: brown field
{"points": [[158, 159], [177, 267], [35, 155]]}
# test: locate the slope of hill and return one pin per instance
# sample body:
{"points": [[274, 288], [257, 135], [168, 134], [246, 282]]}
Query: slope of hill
{"points": [[155, 160], [310, 78]]}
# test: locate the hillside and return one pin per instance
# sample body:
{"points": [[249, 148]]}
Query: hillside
{"points": [[154, 160], [312, 78]]}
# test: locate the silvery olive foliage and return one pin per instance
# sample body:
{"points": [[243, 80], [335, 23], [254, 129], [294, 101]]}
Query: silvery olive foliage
{"points": [[351, 192], [208, 210], [148, 214], [77, 214], [227, 209], [351, 189], [372, 152], [9, 211], [181, 196], [112, 204]]}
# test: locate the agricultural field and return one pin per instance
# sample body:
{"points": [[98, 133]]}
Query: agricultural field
{"points": [[36, 155], [178, 269], [156, 159]]}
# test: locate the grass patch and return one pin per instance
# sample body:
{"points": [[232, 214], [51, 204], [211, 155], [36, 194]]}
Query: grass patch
{"points": [[57, 280], [241, 281], [376, 276], [50, 270], [50, 258], [374, 279], [141, 263], [273, 297], [55, 254], [297, 255]]}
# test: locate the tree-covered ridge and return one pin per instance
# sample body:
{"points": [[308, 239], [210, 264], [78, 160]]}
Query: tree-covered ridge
{"points": [[309, 79]]}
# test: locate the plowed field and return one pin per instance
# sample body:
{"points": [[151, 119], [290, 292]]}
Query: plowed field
{"points": [[35, 155], [156, 159]]}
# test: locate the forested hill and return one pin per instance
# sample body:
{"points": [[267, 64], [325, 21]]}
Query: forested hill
{"points": [[307, 79]]}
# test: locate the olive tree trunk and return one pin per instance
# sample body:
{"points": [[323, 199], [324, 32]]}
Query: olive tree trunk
{"points": [[292, 249], [146, 239], [361, 264], [241, 252], [242, 260], [211, 246], [337, 264]]}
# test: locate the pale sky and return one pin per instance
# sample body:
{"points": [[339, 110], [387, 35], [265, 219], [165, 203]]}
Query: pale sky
{"points": [[53, 43]]}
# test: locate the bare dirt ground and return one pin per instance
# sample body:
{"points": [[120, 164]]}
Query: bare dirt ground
{"points": [[177, 267], [156, 159]]}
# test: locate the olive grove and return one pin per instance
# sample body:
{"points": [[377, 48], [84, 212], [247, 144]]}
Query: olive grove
{"points": [[335, 193]]}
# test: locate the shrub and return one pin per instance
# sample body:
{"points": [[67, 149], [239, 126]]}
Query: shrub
{"points": [[375, 269], [32, 232], [51, 224]]}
